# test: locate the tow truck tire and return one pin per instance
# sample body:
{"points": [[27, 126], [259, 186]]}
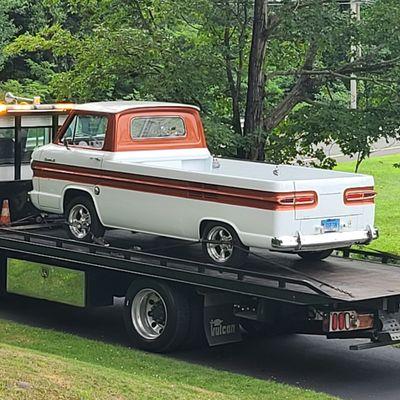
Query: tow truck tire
{"points": [[315, 255], [80, 210], [233, 255], [156, 315]]}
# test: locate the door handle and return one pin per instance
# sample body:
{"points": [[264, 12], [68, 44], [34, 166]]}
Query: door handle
{"points": [[49, 159], [95, 158]]}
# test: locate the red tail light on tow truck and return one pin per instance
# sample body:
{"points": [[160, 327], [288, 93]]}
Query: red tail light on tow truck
{"points": [[345, 321]]}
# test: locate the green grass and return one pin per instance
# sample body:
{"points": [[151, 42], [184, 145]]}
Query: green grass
{"points": [[387, 184], [38, 364]]}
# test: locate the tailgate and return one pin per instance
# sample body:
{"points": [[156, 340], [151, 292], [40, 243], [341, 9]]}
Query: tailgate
{"points": [[330, 191]]}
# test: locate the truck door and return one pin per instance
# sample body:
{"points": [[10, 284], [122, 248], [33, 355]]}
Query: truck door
{"points": [[79, 150]]}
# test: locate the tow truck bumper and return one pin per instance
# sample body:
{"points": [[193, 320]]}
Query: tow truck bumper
{"points": [[323, 241], [382, 328], [389, 335]]}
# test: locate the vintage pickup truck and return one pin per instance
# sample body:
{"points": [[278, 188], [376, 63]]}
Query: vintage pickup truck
{"points": [[145, 167]]}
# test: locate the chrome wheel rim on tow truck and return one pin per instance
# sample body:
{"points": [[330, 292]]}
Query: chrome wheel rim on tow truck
{"points": [[149, 314]]}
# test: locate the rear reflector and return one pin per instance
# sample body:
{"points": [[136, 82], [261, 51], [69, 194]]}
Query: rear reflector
{"points": [[343, 321], [363, 195]]}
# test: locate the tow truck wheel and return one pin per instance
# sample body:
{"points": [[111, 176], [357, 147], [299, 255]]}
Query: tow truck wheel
{"points": [[82, 219], [156, 316], [315, 255], [227, 249]]}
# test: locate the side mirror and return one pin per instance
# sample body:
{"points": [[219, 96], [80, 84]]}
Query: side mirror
{"points": [[66, 142]]}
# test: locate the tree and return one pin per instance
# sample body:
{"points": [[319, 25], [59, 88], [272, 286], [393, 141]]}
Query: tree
{"points": [[284, 69], [253, 124]]}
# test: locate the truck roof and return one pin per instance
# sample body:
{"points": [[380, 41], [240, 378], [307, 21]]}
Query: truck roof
{"points": [[115, 107]]}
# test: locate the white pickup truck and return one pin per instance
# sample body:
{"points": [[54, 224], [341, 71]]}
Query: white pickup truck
{"points": [[145, 167]]}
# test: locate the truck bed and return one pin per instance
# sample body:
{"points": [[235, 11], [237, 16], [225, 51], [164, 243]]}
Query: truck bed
{"points": [[269, 275], [273, 172], [199, 166]]}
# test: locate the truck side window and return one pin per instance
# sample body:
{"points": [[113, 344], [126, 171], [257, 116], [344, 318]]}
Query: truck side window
{"points": [[87, 131], [157, 127], [7, 145]]}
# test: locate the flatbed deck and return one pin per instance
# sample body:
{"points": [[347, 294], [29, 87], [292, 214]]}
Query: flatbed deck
{"points": [[267, 275]]}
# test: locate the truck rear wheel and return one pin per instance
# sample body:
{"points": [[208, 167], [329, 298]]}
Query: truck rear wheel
{"points": [[315, 255], [82, 219], [230, 250], [156, 316]]}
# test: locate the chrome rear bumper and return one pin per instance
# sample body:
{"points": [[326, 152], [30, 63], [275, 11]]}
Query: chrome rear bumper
{"points": [[330, 240]]}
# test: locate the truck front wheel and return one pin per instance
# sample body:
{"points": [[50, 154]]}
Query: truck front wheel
{"points": [[221, 245], [156, 316], [83, 222]]}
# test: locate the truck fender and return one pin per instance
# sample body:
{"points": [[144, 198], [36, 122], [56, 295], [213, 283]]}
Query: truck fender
{"points": [[204, 220], [84, 190]]}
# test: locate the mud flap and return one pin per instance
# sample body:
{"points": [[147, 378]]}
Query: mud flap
{"points": [[220, 324]]}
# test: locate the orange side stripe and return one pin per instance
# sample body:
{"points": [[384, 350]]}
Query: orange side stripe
{"points": [[178, 188]]}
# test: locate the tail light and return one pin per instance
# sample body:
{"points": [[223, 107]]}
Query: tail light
{"points": [[344, 321], [357, 196], [298, 199]]}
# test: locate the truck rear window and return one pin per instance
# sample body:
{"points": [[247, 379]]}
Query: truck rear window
{"points": [[157, 127]]}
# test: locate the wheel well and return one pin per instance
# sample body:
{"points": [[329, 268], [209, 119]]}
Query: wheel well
{"points": [[71, 194], [206, 221]]}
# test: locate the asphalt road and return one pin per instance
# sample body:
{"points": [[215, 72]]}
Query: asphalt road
{"points": [[301, 360]]}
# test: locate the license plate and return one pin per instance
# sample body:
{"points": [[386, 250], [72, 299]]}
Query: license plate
{"points": [[331, 225]]}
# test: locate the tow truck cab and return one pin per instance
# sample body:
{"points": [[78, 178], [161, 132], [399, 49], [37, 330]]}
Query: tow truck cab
{"points": [[23, 128]]}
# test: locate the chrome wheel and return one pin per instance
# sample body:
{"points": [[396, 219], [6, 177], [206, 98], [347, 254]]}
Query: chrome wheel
{"points": [[220, 252], [149, 314], [79, 221]]}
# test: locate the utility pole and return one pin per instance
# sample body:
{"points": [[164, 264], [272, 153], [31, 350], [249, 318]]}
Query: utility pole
{"points": [[355, 7]]}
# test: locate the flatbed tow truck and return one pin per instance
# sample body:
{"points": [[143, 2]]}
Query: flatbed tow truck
{"points": [[172, 297]]}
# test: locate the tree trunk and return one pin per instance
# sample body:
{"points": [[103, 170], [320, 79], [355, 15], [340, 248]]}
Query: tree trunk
{"points": [[234, 87], [304, 88], [253, 125]]}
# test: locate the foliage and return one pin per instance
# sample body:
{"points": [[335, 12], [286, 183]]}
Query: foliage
{"points": [[198, 52], [27, 87], [387, 184], [8, 29]]}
